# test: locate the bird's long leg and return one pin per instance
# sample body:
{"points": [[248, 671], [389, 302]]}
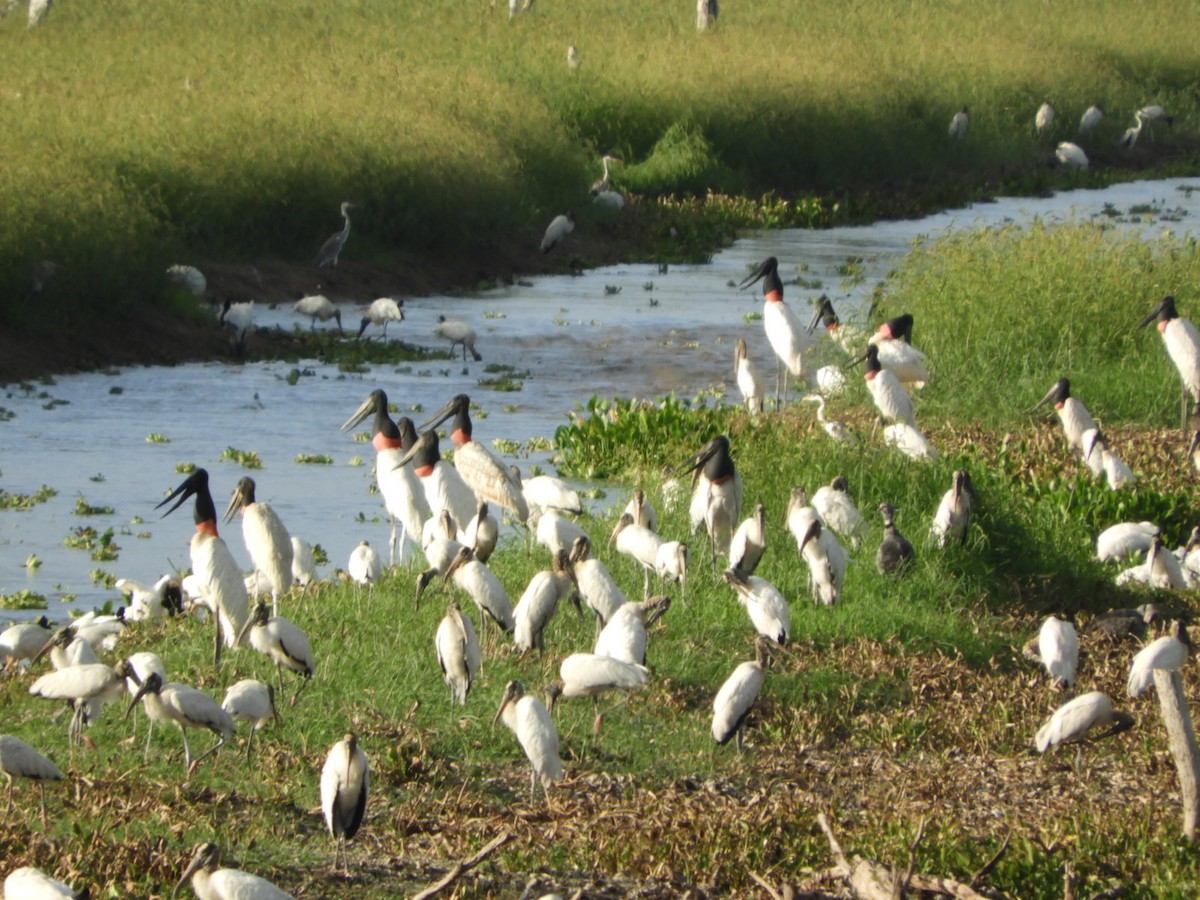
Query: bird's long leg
{"points": [[738, 739], [250, 743], [8, 792], [149, 733], [205, 755], [42, 804], [299, 690], [600, 715], [392, 543], [217, 639], [1183, 407], [645, 583], [778, 365]]}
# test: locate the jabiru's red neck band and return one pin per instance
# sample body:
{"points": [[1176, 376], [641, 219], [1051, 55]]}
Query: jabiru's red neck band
{"points": [[381, 442], [460, 437], [208, 526], [869, 375], [1162, 326], [424, 471], [774, 297]]}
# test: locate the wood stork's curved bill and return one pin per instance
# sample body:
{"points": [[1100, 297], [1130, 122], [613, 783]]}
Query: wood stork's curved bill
{"points": [[823, 313], [1164, 312], [513, 691], [243, 496], [461, 558], [152, 685], [460, 403], [770, 264], [656, 608], [195, 485], [622, 523], [813, 532]]}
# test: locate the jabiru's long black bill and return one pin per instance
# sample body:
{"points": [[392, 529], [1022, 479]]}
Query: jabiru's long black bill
{"points": [[1165, 311], [195, 484], [366, 408], [1061, 391], [770, 264], [460, 401], [426, 447], [824, 313], [719, 444]]}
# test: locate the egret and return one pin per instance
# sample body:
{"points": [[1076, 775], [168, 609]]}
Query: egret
{"points": [[480, 468], [458, 652], [345, 780], [304, 562], [528, 719], [624, 635], [456, 331], [595, 582], [558, 229], [1074, 721], [717, 493], [22, 642], [211, 881], [189, 278], [1090, 119], [836, 508], [909, 441], [1044, 117], [835, 428], [381, 312], [572, 57], [28, 883], [1182, 345], [764, 604], [737, 695], [267, 540], [253, 702], [403, 495], [238, 317], [1058, 649], [1071, 412], [318, 306], [786, 335], [283, 643], [749, 542], [1129, 139], [895, 553], [482, 533], [826, 559], [640, 543], [81, 684], [953, 516], [164, 597], [959, 124], [889, 395], [642, 510], [472, 576], [602, 192], [1168, 652], [219, 577], [187, 708], [590, 675], [364, 567], [549, 492], [332, 248], [19, 760], [540, 601], [749, 382]]}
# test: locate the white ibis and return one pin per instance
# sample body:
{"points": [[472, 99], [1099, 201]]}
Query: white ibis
{"points": [[22, 642], [959, 123], [1168, 652], [642, 510], [1181, 342], [267, 539], [304, 562], [895, 553], [365, 566], [456, 331], [458, 652], [484, 588], [81, 684], [345, 781], [1090, 119], [549, 492], [764, 604], [836, 508], [540, 601], [1071, 412], [835, 428], [1071, 155], [187, 708], [1058, 647], [738, 694], [381, 312], [403, 495], [592, 675], [624, 635], [211, 881], [596, 584], [482, 533], [749, 542], [559, 228], [155, 601], [218, 576], [480, 468], [28, 883], [786, 335], [318, 306], [640, 543], [716, 495], [19, 760], [283, 643], [253, 702], [332, 248], [953, 516], [1044, 117], [889, 395], [819, 548], [529, 720], [1074, 722], [749, 382], [1124, 540], [909, 441]]}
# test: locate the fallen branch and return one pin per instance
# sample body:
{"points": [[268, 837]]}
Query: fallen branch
{"points": [[462, 867], [977, 878], [1182, 737]]}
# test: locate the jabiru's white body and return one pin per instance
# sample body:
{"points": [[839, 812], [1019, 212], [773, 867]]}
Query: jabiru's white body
{"points": [[596, 584], [953, 516], [837, 511], [1169, 652], [788, 338], [717, 496], [28, 883], [528, 719], [1125, 540], [749, 542], [1058, 647], [1181, 342], [625, 637], [210, 881], [1074, 721], [909, 441], [365, 566], [458, 652], [826, 559], [897, 354], [540, 601], [889, 395], [764, 604], [484, 588], [737, 696], [1072, 155], [1072, 413], [749, 382], [345, 783], [267, 539]]}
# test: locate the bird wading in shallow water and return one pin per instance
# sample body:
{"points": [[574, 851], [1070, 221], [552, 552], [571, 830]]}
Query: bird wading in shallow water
{"points": [[332, 248], [786, 335]]}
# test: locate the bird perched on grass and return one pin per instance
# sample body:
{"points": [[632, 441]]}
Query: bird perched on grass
{"points": [[1044, 118], [959, 124], [953, 516], [528, 719], [1075, 721], [1090, 119], [19, 760], [345, 782], [211, 881], [895, 552], [1058, 647], [1169, 652], [738, 694]]}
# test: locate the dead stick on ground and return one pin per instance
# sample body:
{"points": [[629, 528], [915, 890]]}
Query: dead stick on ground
{"points": [[461, 868], [766, 886], [1182, 736], [983, 873]]}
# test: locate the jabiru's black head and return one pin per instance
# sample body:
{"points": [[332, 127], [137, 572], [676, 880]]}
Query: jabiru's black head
{"points": [[899, 328], [769, 273], [196, 485], [376, 403], [243, 496], [713, 460], [406, 431], [1057, 394], [1164, 312], [824, 314], [459, 407], [871, 355], [425, 452]]}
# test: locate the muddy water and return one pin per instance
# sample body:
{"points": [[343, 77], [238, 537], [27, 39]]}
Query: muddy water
{"points": [[622, 330]]}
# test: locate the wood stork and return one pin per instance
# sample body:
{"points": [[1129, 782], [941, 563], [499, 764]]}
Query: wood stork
{"points": [[164, 597], [764, 604], [638, 542], [267, 539], [549, 492], [1090, 119], [81, 684], [826, 559], [304, 562], [318, 306], [1124, 540], [573, 57], [1073, 722], [211, 881], [458, 652], [1071, 412], [440, 551], [19, 760], [749, 542], [953, 516], [1058, 648], [1182, 345], [365, 566], [786, 335], [706, 14], [529, 720], [889, 395], [332, 248], [591, 675], [836, 508], [187, 708], [456, 331], [66, 648], [144, 664], [21, 643], [624, 636], [895, 553], [559, 228], [1071, 155], [345, 781], [482, 533], [642, 510], [102, 631], [671, 564], [749, 382], [1167, 652], [1128, 140], [596, 584], [238, 318], [484, 588], [283, 643], [253, 702], [609, 199], [219, 577], [540, 601], [381, 312], [1164, 569], [480, 468], [28, 883], [716, 494], [189, 278], [909, 441], [553, 531], [403, 494], [738, 694], [959, 124], [1044, 117], [835, 428]]}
